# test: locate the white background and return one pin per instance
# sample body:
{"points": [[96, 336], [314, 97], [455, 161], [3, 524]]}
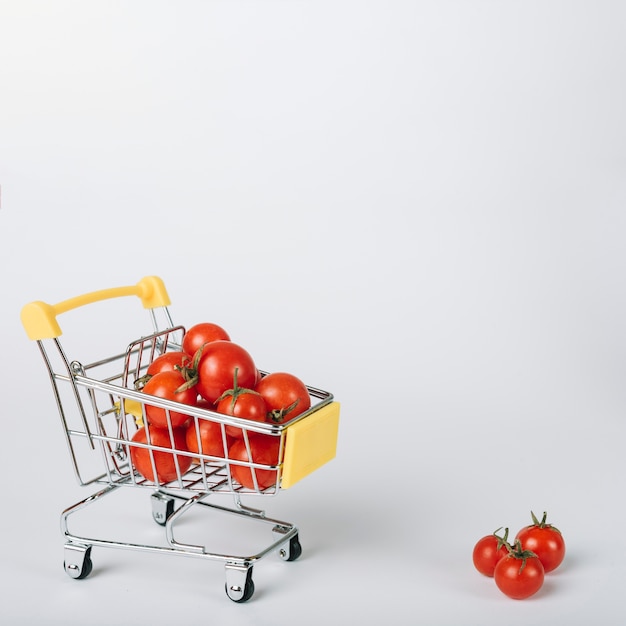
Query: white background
{"points": [[420, 206]]}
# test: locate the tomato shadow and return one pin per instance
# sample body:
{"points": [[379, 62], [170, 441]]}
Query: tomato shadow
{"points": [[548, 589], [570, 562]]}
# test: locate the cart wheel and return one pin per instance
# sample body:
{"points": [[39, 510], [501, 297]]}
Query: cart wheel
{"points": [[77, 563], [234, 589], [293, 551], [162, 508]]}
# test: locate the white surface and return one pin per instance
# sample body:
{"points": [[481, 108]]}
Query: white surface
{"points": [[417, 205]]}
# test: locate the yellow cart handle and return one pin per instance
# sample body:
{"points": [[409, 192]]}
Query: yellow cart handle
{"points": [[39, 318]]}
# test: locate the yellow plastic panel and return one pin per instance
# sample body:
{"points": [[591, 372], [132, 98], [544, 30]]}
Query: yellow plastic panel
{"points": [[132, 407], [310, 443]]}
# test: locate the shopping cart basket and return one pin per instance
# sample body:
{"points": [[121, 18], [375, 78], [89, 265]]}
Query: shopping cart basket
{"points": [[101, 410]]}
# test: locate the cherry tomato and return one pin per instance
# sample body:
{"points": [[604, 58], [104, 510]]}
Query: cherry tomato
{"points": [[210, 434], [216, 365], [166, 385], [164, 461], [162, 363], [168, 361], [247, 405], [202, 333], [545, 541], [243, 403], [520, 574], [264, 450], [488, 551], [286, 395]]}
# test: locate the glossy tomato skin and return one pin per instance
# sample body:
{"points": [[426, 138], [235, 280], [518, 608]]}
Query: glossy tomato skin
{"points": [[519, 578], [486, 554], [211, 442], [216, 369], [546, 542], [165, 385], [264, 450], [210, 432], [246, 405], [202, 333], [165, 461], [282, 390], [168, 361]]}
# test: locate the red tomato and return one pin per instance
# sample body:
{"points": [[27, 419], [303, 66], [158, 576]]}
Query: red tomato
{"points": [[202, 333], [164, 461], [216, 368], [519, 575], [285, 395], [168, 361], [264, 450], [243, 403], [488, 551], [164, 362], [545, 541], [247, 405], [165, 385], [210, 434]]}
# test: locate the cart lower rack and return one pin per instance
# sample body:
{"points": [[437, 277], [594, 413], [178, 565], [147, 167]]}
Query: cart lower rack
{"points": [[103, 414]]}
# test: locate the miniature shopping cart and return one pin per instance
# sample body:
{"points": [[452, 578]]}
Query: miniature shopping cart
{"points": [[101, 409]]}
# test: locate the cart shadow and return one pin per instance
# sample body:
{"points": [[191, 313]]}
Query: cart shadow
{"points": [[350, 528]]}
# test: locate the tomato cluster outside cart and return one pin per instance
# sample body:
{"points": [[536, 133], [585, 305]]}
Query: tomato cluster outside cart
{"points": [[519, 567]]}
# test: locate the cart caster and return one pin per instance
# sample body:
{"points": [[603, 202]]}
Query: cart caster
{"points": [[289, 551], [239, 584], [77, 563], [162, 508], [292, 551]]}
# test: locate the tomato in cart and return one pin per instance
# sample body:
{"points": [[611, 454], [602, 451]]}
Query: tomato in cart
{"points": [[169, 385], [264, 450], [168, 465]]}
